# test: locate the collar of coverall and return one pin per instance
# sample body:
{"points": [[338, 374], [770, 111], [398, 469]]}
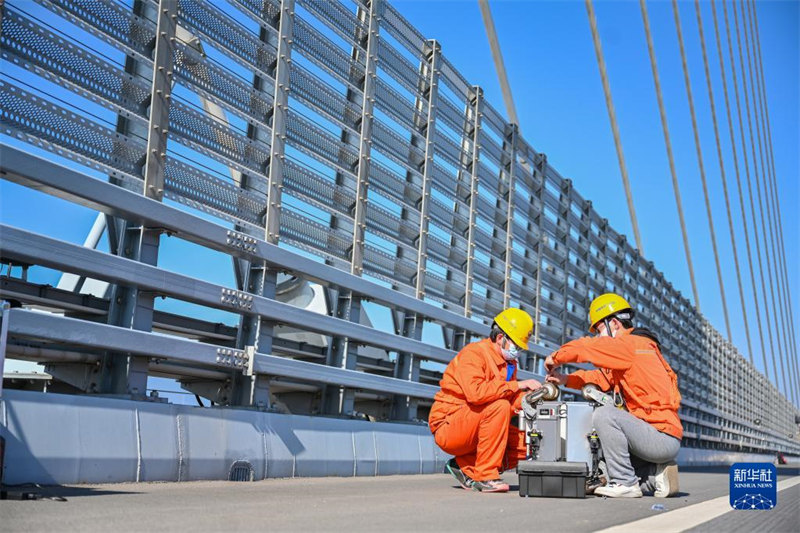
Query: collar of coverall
{"points": [[496, 357], [621, 332]]}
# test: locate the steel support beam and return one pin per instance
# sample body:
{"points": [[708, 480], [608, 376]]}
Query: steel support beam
{"points": [[541, 167], [344, 352], [131, 307], [365, 140], [512, 132], [407, 367], [51, 178], [455, 338], [36, 249], [566, 191], [409, 324], [432, 66], [511, 135], [29, 324], [87, 306], [261, 280], [473, 196], [279, 115], [5, 313]]}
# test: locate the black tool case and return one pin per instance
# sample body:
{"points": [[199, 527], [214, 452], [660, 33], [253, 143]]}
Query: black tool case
{"points": [[552, 479]]}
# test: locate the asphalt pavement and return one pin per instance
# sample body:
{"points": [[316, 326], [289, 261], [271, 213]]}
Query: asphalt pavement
{"points": [[388, 503]]}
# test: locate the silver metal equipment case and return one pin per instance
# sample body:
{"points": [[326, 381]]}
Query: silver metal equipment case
{"points": [[563, 452]]}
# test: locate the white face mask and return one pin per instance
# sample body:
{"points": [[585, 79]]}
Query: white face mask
{"points": [[511, 353]]}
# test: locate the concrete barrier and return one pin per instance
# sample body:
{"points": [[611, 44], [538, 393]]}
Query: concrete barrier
{"points": [[65, 439], [58, 439]]}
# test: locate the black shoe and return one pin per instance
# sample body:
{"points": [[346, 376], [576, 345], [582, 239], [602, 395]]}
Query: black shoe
{"points": [[594, 483], [464, 480]]}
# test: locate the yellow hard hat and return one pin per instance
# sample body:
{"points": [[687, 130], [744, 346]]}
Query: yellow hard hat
{"points": [[516, 324], [604, 306]]}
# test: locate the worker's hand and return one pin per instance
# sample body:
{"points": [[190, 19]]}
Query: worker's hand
{"points": [[557, 377], [529, 384], [550, 364]]}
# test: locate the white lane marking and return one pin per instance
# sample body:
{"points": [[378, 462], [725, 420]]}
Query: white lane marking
{"points": [[686, 517]]}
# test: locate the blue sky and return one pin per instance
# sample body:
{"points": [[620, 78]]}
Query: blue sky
{"points": [[554, 77]]}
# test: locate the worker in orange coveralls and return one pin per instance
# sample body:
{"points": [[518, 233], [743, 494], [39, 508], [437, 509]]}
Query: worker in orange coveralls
{"points": [[470, 417], [647, 430]]}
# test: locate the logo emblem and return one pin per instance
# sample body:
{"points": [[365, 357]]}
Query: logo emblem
{"points": [[753, 486]]}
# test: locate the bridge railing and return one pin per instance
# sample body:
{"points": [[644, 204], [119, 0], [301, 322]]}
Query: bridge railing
{"points": [[331, 141]]}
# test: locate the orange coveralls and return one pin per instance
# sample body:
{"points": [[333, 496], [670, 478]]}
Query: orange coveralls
{"points": [[634, 366], [471, 414]]}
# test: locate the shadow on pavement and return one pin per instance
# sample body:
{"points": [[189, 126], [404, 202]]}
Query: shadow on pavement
{"points": [[33, 491], [722, 469]]}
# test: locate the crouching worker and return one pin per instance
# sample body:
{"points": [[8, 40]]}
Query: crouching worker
{"points": [[640, 443], [470, 417]]}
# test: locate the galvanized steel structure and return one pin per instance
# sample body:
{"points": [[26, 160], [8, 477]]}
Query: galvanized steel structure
{"points": [[334, 143]]}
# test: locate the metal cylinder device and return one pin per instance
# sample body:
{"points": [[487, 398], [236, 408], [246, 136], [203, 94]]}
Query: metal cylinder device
{"points": [[547, 392], [588, 390], [593, 393]]}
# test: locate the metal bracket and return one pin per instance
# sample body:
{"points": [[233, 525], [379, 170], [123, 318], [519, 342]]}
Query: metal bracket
{"points": [[233, 358], [236, 298], [241, 241], [250, 358]]}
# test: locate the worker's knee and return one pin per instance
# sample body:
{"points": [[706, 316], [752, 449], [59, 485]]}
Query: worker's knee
{"points": [[498, 407], [603, 416]]}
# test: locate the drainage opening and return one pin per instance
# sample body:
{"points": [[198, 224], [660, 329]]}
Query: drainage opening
{"points": [[241, 471]]}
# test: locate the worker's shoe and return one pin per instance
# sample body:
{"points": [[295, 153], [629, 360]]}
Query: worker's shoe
{"points": [[666, 480], [592, 484], [493, 485], [464, 480], [615, 490]]}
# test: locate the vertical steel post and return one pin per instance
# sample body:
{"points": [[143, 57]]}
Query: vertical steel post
{"points": [[477, 114], [5, 309], [511, 139], [130, 306], [279, 114], [344, 353], [566, 192], [460, 339], [511, 135], [586, 211], [407, 366], [253, 390], [365, 142], [433, 56], [160, 93], [123, 240], [603, 252], [410, 325], [541, 167]]}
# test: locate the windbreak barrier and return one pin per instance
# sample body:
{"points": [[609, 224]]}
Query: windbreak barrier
{"points": [[333, 142]]}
